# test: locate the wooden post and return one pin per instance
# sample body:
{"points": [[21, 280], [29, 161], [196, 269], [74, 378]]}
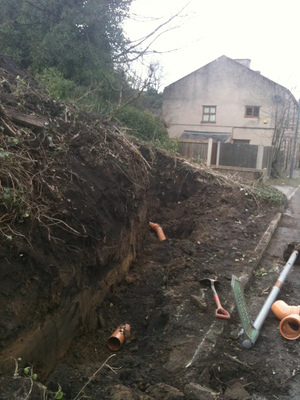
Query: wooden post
{"points": [[209, 150], [218, 153], [259, 156]]}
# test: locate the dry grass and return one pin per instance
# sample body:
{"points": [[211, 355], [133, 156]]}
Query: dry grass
{"points": [[285, 180], [256, 189]]}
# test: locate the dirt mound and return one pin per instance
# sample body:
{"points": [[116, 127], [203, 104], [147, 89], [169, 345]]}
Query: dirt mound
{"points": [[76, 199], [73, 197]]}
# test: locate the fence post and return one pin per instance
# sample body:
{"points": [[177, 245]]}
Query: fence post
{"points": [[218, 153], [209, 150], [259, 156]]}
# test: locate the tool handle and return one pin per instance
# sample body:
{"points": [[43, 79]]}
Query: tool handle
{"points": [[220, 311]]}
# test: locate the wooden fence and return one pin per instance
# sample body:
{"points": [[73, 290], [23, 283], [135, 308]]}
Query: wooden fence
{"points": [[228, 154], [196, 149], [238, 155]]}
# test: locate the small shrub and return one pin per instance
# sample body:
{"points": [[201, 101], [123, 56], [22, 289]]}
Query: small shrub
{"points": [[170, 144], [269, 193], [58, 87], [148, 127], [143, 124]]}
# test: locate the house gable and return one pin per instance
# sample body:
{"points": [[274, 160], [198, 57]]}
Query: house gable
{"points": [[242, 64], [239, 97]]}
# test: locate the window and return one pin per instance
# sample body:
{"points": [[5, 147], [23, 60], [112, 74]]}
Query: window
{"points": [[241, 141], [209, 114], [252, 112]]}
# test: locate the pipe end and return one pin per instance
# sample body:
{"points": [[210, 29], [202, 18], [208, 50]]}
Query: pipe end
{"points": [[247, 344], [290, 327], [114, 343]]}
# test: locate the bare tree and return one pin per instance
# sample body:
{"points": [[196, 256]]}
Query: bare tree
{"points": [[139, 70], [144, 46], [283, 113], [133, 85]]}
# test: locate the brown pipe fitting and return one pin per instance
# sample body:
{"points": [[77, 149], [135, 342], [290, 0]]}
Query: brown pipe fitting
{"points": [[282, 310], [290, 327], [117, 339], [159, 231]]}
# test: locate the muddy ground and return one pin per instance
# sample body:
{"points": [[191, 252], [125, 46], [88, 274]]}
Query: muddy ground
{"points": [[155, 299], [78, 260]]}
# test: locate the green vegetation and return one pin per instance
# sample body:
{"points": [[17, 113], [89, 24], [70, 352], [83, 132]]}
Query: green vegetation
{"points": [[79, 53], [150, 100], [79, 38], [260, 272], [256, 189], [146, 126], [59, 87], [27, 373], [269, 193], [68, 91]]}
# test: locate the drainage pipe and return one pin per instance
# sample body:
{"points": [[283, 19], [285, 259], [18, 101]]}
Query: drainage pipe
{"points": [[251, 331], [289, 317], [290, 327], [117, 339], [260, 319], [282, 310], [159, 231]]}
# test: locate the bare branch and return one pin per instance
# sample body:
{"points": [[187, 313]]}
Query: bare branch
{"points": [[155, 34], [93, 376]]}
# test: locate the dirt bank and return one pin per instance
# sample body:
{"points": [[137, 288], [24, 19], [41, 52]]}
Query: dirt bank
{"points": [[73, 212]]}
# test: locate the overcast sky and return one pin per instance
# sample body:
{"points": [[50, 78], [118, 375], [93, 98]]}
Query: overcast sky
{"points": [[265, 31]]}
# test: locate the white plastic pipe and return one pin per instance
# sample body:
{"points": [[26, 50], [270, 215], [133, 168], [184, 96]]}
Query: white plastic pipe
{"points": [[260, 319]]}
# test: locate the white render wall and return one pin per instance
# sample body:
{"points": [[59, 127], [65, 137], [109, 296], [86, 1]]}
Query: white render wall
{"points": [[230, 87]]}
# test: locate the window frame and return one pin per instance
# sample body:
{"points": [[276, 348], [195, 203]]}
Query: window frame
{"points": [[209, 114], [241, 141], [252, 115]]}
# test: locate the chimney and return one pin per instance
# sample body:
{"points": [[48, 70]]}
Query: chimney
{"points": [[244, 61]]}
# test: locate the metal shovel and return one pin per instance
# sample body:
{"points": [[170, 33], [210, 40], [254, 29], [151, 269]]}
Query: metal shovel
{"points": [[220, 311]]}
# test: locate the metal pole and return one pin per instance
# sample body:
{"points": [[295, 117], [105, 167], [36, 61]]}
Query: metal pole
{"points": [[295, 142], [258, 323], [251, 331]]}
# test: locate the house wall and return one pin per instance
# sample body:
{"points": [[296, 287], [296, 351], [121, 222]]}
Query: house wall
{"points": [[230, 87]]}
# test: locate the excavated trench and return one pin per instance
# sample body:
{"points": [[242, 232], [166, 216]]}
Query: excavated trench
{"points": [[61, 301], [78, 258], [52, 291], [85, 196], [211, 230]]}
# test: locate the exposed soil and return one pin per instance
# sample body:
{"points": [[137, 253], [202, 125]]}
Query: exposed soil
{"points": [[78, 258]]}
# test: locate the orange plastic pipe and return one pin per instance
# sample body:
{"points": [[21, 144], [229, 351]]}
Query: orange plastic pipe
{"points": [[290, 326], [282, 310], [159, 231], [117, 339]]}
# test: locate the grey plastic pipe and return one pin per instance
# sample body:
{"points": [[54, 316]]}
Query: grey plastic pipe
{"points": [[260, 319]]}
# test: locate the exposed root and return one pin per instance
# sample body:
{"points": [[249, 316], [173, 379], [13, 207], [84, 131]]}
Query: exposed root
{"points": [[93, 376], [32, 159]]}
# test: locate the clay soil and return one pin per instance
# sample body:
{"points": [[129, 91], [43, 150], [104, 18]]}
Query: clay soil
{"points": [[92, 192]]}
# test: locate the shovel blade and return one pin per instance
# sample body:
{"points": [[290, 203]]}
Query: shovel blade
{"points": [[250, 334]]}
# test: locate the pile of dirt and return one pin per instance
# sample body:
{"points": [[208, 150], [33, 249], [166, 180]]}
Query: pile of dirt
{"points": [[78, 259], [73, 208]]}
